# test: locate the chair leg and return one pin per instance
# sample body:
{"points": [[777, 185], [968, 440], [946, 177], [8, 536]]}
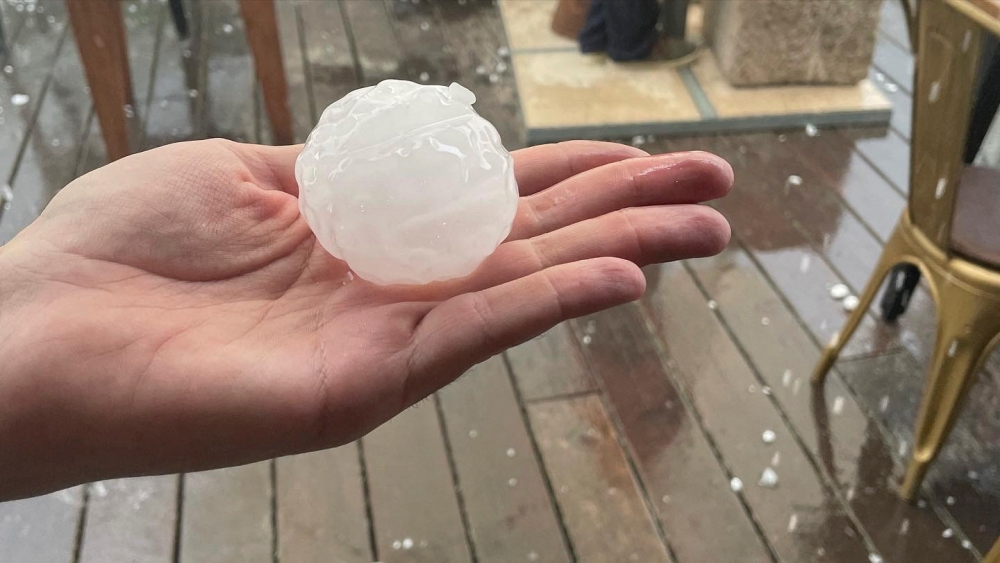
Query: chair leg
{"points": [[100, 31], [994, 555], [902, 283], [890, 256], [262, 34], [965, 330]]}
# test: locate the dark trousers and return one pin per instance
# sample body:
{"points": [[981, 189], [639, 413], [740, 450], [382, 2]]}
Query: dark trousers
{"points": [[625, 29]]}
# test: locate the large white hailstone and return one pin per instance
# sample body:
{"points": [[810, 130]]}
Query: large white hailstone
{"points": [[407, 183]]}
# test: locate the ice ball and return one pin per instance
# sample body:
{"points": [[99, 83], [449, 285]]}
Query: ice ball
{"points": [[407, 183]]}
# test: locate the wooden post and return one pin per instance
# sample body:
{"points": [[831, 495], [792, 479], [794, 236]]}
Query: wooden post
{"points": [[262, 35], [100, 35]]}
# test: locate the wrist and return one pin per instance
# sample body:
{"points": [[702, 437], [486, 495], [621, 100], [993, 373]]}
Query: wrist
{"points": [[22, 428]]}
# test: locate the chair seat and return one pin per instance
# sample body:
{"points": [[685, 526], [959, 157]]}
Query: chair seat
{"points": [[975, 230]]}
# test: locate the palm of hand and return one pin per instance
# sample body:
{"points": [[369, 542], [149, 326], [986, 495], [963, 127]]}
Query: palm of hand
{"points": [[182, 309]]}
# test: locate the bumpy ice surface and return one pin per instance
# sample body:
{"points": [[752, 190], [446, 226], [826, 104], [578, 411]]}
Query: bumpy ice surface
{"points": [[407, 183]]}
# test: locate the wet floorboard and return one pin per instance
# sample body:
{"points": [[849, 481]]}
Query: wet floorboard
{"points": [[507, 501], [335, 529], [669, 446], [602, 506], [550, 366], [147, 536], [612, 438], [414, 501], [712, 372]]}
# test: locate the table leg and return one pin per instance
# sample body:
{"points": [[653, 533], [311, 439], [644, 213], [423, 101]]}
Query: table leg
{"points": [[265, 44], [100, 34]]}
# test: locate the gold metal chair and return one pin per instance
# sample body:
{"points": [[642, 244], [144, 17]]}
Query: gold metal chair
{"points": [[994, 555], [964, 284]]}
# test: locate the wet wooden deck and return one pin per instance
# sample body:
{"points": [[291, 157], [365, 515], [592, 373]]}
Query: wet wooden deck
{"points": [[612, 438]]}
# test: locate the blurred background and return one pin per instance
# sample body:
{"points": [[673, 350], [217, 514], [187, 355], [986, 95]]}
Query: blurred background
{"points": [[680, 428]]}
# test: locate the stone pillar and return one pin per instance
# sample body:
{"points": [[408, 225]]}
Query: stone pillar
{"points": [[773, 42]]}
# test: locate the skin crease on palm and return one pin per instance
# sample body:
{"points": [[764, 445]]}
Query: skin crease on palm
{"points": [[173, 312]]}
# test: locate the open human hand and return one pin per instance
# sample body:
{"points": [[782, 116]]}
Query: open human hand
{"points": [[173, 312]]}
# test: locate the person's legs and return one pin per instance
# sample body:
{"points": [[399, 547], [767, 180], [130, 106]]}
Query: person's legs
{"points": [[631, 28], [594, 35]]}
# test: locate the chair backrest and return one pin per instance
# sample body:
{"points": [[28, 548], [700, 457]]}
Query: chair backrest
{"points": [[950, 33]]}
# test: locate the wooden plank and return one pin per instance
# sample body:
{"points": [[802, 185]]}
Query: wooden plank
{"points": [[41, 529], [378, 53], [100, 28], [812, 206], [54, 144], [92, 153], [12, 21], [176, 97], [321, 508], [717, 381], [966, 471], [131, 520], [762, 220], [831, 424], [672, 455], [226, 515], [550, 366], [299, 103], [602, 509], [475, 34], [893, 23], [491, 447], [51, 148], [902, 104], [895, 62], [264, 37], [31, 59], [230, 82], [429, 57], [868, 194], [144, 23], [328, 54], [413, 499], [889, 154]]}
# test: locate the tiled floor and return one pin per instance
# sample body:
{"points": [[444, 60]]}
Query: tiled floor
{"points": [[567, 90], [615, 437], [565, 94], [814, 101]]}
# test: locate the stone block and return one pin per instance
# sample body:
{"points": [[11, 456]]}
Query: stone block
{"points": [[773, 42]]}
